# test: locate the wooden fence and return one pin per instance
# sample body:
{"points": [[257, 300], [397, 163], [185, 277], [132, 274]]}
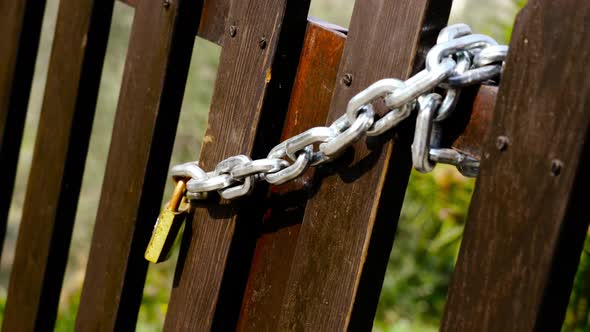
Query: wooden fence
{"points": [[309, 255]]}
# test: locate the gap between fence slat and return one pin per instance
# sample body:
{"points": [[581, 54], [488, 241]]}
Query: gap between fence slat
{"points": [[247, 111], [154, 79], [20, 23], [58, 161], [529, 217], [349, 224]]}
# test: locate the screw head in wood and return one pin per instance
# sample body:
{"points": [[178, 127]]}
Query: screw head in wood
{"points": [[347, 79], [262, 43], [556, 166], [502, 143], [233, 30]]}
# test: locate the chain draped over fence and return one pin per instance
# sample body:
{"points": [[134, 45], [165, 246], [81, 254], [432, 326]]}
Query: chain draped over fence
{"points": [[459, 59]]}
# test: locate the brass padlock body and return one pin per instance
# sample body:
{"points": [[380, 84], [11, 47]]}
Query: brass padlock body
{"points": [[163, 236], [167, 226]]}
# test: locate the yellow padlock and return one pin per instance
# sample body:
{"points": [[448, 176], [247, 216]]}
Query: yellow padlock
{"points": [[167, 226]]}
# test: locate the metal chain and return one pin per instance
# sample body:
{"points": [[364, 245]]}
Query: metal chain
{"points": [[460, 58]]}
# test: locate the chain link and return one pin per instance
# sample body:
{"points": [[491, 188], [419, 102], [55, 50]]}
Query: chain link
{"points": [[460, 58]]}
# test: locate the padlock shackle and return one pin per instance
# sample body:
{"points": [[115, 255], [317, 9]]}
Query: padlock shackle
{"points": [[177, 196]]}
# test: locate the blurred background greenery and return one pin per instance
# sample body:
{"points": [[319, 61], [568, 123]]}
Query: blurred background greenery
{"points": [[432, 219]]}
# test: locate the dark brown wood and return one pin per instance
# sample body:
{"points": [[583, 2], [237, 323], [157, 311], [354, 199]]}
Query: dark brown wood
{"points": [[156, 69], [473, 120], [529, 216], [58, 162], [309, 105], [20, 23], [249, 104], [212, 22], [347, 233]]}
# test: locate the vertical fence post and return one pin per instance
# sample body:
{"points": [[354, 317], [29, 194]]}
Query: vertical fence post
{"points": [[63, 134], [156, 68], [256, 71], [529, 215]]}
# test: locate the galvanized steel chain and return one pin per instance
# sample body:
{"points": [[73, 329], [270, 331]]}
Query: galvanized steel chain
{"points": [[460, 58]]}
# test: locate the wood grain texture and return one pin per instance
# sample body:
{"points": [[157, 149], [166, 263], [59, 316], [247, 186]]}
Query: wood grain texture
{"points": [[308, 107], [247, 112], [527, 222], [154, 79], [347, 233], [58, 161], [20, 22]]}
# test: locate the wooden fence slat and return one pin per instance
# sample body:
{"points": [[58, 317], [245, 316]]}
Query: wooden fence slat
{"points": [[248, 108], [529, 216], [56, 172], [309, 105], [349, 224], [156, 69], [20, 22]]}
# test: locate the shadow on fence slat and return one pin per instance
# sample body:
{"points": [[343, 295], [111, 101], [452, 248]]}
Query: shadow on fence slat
{"points": [[256, 72], [285, 205]]}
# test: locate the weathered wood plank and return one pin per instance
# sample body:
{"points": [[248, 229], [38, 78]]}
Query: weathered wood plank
{"points": [[309, 105], [247, 112], [156, 69], [349, 224], [58, 162], [529, 215], [20, 22]]}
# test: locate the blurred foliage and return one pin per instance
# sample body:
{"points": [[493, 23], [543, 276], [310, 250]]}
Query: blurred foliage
{"points": [[426, 246], [429, 231]]}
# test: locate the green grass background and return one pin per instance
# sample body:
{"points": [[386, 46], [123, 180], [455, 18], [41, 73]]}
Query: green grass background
{"points": [[432, 219]]}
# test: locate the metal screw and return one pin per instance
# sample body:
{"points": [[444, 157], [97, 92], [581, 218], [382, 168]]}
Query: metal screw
{"points": [[502, 143], [232, 31], [262, 43], [556, 166], [347, 79], [166, 3]]}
